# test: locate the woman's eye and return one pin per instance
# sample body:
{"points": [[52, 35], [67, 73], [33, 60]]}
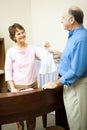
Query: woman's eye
{"points": [[18, 33], [23, 32]]}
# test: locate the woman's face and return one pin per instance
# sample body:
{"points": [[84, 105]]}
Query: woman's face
{"points": [[20, 36]]}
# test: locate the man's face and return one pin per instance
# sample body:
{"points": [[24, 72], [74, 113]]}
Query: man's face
{"points": [[66, 21]]}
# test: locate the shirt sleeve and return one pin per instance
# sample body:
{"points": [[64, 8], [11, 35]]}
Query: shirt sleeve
{"points": [[78, 59], [38, 52], [8, 66]]}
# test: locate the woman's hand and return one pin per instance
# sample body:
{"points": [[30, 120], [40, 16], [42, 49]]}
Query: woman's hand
{"points": [[14, 90], [47, 45], [11, 86]]}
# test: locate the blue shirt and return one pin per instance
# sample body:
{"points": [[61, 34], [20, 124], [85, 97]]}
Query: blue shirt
{"points": [[73, 62]]}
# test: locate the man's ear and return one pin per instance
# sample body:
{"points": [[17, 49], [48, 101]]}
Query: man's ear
{"points": [[72, 20]]}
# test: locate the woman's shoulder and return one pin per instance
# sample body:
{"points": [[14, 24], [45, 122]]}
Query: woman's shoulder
{"points": [[10, 51]]}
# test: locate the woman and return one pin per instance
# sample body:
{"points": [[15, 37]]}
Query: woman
{"points": [[20, 71]]}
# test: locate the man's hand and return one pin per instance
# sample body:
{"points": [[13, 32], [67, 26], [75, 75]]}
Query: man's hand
{"points": [[49, 85], [56, 54], [52, 85]]}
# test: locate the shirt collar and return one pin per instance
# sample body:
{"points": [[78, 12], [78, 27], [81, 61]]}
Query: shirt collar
{"points": [[74, 31]]}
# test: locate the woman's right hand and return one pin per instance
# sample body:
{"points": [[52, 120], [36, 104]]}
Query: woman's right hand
{"points": [[12, 86], [14, 90]]}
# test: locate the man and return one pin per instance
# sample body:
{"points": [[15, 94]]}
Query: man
{"points": [[73, 69]]}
